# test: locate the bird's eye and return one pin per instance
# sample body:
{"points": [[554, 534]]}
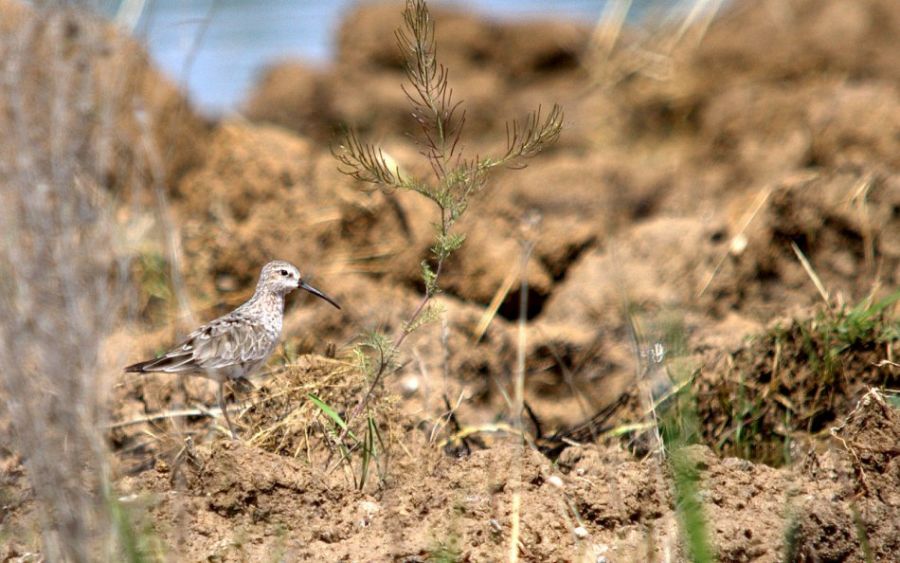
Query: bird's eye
{"points": [[284, 272]]}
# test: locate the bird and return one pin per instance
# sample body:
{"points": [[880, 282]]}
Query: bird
{"points": [[234, 346]]}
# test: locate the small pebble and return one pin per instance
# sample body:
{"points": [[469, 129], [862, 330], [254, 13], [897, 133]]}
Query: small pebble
{"points": [[738, 244], [410, 385], [580, 532], [555, 481], [368, 509]]}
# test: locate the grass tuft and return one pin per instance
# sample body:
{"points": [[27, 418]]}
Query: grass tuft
{"points": [[798, 377]]}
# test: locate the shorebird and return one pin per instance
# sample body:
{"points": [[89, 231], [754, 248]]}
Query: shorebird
{"points": [[233, 346]]}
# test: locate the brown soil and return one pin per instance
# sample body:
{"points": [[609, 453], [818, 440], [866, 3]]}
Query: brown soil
{"points": [[235, 501], [672, 206]]}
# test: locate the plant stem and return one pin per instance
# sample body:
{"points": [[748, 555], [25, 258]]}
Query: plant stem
{"points": [[404, 332]]}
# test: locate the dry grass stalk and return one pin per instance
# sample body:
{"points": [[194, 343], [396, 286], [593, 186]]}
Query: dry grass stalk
{"points": [[527, 241], [56, 258], [63, 266], [739, 240], [654, 53], [499, 297], [817, 281]]}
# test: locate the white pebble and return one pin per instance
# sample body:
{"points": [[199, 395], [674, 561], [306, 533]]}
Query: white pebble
{"points": [[738, 244], [368, 507], [410, 385]]}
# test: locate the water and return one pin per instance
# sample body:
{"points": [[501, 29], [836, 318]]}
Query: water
{"points": [[217, 48]]}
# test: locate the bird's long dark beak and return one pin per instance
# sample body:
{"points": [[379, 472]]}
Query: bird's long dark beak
{"points": [[317, 293]]}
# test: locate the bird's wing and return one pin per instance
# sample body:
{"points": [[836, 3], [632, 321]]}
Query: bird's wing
{"points": [[226, 341]]}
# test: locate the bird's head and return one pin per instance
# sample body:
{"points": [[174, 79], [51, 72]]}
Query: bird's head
{"points": [[283, 277]]}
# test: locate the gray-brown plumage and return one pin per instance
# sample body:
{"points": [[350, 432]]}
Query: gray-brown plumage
{"points": [[235, 345]]}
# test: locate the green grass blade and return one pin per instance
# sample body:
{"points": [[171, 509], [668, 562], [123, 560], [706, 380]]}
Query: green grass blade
{"points": [[368, 453], [330, 413], [888, 300]]}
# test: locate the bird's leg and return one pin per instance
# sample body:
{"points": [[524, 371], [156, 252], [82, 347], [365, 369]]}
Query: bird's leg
{"points": [[221, 396]]}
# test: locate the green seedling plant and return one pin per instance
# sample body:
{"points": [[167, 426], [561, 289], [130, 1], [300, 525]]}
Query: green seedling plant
{"points": [[455, 180]]}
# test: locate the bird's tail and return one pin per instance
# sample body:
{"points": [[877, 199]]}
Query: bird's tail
{"points": [[173, 362], [140, 367]]}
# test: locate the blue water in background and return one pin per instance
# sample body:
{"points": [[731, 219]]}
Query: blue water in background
{"points": [[217, 48]]}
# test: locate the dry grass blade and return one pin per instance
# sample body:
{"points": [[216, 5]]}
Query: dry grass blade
{"points": [[527, 241], [160, 416], [494, 305], [609, 27], [739, 239], [860, 200], [497, 428], [654, 54], [699, 18], [812, 274]]}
